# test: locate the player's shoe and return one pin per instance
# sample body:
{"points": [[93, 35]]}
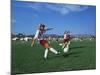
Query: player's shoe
{"points": [[66, 49]]}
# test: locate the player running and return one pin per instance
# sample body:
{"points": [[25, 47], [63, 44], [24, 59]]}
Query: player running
{"points": [[66, 41], [39, 36]]}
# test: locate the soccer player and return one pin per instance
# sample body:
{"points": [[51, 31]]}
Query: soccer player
{"points": [[39, 36], [66, 41]]}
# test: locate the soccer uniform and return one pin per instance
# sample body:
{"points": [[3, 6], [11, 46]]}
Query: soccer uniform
{"points": [[66, 38], [39, 37]]}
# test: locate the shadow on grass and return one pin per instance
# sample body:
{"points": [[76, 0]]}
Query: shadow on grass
{"points": [[75, 54], [78, 47], [69, 54]]}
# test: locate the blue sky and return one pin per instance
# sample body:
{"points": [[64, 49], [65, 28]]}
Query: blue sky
{"points": [[78, 19]]}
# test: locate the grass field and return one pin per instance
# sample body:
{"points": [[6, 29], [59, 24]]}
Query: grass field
{"points": [[27, 59]]}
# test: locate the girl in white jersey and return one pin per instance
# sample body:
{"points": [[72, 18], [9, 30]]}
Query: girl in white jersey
{"points": [[66, 42], [39, 36]]}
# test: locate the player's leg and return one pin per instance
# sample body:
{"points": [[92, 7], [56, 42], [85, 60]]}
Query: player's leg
{"points": [[50, 48], [42, 42], [46, 53], [49, 41], [69, 42], [66, 48], [61, 43], [64, 45], [46, 45]]}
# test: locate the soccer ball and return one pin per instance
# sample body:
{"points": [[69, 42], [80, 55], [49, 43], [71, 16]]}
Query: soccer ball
{"points": [[65, 50]]}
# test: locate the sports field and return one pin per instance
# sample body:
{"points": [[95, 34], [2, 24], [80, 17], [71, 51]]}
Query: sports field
{"points": [[27, 59]]}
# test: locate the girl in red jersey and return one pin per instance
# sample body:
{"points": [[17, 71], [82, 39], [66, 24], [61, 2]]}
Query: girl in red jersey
{"points": [[39, 36]]}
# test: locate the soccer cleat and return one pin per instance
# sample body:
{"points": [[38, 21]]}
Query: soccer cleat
{"points": [[65, 49]]}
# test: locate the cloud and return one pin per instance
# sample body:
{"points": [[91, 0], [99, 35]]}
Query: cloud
{"points": [[75, 7], [60, 8], [66, 8], [35, 6]]}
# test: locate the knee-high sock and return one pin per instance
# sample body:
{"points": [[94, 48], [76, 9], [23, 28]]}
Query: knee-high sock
{"points": [[69, 43], [64, 45], [46, 53], [67, 46], [53, 50]]}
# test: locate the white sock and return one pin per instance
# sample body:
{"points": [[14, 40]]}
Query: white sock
{"points": [[53, 50], [67, 46], [65, 49], [46, 53], [69, 43], [64, 45]]}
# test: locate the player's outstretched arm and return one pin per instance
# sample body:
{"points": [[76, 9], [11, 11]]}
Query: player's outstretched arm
{"points": [[48, 29]]}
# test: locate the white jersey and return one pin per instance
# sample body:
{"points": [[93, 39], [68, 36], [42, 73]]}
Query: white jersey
{"points": [[65, 36], [38, 35]]}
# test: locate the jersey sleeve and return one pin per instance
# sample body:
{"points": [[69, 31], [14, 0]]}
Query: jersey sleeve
{"points": [[36, 35]]}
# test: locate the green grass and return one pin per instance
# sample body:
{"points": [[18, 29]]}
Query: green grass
{"points": [[27, 59]]}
